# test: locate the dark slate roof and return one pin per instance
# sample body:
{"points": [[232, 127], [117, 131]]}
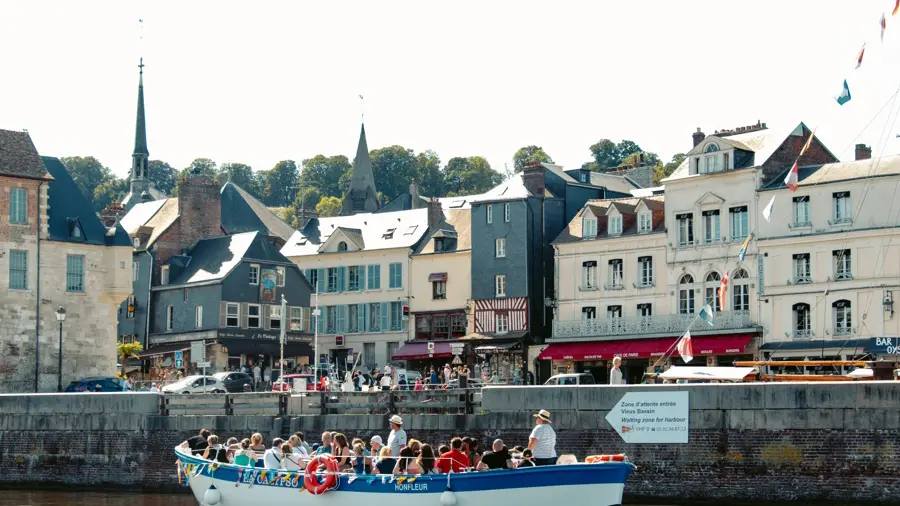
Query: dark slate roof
{"points": [[572, 232], [19, 157], [213, 259], [140, 131], [841, 171], [241, 212], [69, 208]]}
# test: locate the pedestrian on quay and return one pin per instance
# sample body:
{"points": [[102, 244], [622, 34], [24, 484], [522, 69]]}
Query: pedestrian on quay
{"points": [[615, 374], [542, 441], [257, 376]]}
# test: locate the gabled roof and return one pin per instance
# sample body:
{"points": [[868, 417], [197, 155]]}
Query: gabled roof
{"points": [[407, 228], [455, 228], [157, 216], [213, 259], [19, 157], [156, 194], [844, 171], [69, 208], [762, 143], [613, 182], [242, 212], [353, 235], [573, 231], [139, 214]]}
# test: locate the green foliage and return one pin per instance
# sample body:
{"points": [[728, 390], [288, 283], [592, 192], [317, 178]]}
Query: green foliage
{"points": [[634, 159], [430, 177], [128, 350], [203, 166], [163, 176], [324, 173], [394, 168], [608, 154], [529, 154], [281, 183], [287, 214], [307, 197], [329, 206], [87, 172], [242, 175], [470, 175], [663, 171], [111, 190]]}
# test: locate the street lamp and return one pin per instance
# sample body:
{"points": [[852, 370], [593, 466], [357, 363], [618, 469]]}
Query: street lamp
{"points": [[60, 317]]}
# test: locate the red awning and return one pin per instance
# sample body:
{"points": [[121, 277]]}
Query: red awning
{"points": [[645, 348], [419, 351]]}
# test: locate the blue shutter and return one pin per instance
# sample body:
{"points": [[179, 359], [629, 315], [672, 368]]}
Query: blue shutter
{"points": [[321, 281], [321, 320], [385, 316], [342, 278], [340, 323], [361, 277], [399, 282], [378, 277], [361, 317]]}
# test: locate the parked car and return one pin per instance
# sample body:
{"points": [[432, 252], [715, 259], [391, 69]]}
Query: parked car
{"points": [[234, 381], [311, 384], [571, 379], [196, 384], [106, 384]]}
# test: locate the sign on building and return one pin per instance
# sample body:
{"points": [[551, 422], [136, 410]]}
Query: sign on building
{"points": [[267, 280], [651, 417], [457, 348], [198, 351]]}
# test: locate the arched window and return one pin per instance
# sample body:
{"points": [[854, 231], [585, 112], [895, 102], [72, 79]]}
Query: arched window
{"points": [[342, 246], [802, 320], [686, 294], [740, 300], [842, 317], [713, 284], [711, 160], [712, 148]]}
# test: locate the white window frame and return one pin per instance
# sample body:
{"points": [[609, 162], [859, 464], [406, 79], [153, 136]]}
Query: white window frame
{"points": [[686, 302], [296, 316], [135, 272], [615, 225], [506, 212], [198, 317], [801, 212], [164, 275], [588, 313], [170, 317], [280, 273], [236, 314], [275, 316], [740, 223], [645, 271], [711, 164], [843, 266], [258, 316], [589, 276], [645, 223], [712, 227], [254, 274], [617, 274], [500, 285], [490, 213], [843, 320], [500, 247], [804, 330], [439, 290], [802, 269], [501, 323], [136, 242], [842, 212], [685, 230], [589, 228]]}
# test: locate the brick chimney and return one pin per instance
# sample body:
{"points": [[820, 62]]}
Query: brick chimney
{"points": [[533, 178], [435, 214], [863, 152], [199, 210], [111, 213], [414, 195], [698, 136]]}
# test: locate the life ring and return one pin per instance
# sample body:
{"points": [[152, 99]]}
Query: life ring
{"points": [[311, 481], [593, 459]]}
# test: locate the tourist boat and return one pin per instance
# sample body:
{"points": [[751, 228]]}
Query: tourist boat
{"points": [[597, 484]]}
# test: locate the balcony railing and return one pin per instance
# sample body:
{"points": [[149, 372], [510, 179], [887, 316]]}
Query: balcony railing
{"points": [[661, 324], [803, 334]]}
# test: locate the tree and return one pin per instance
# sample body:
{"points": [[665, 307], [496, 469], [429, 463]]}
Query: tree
{"points": [[634, 159], [204, 166], [163, 176], [281, 183], [324, 174], [470, 175], [663, 171], [394, 167], [430, 178], [329, 206], [88, 173], [113, 190], [529, 154], [307, 198], [128, 350], [605, 154], [242, 175]]}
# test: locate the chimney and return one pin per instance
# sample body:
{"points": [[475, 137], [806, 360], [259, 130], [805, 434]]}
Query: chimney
{"points": [[435, 214], [110, 214], [304, 216], [199, 210], [863, 152], [698, 136], [533, 178], [414, 195]]}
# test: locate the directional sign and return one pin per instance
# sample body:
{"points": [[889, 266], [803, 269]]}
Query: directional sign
{"points": [[179, 355], [179, 363], [198, 351], [457, 348], [652, 417], [203, 365]]}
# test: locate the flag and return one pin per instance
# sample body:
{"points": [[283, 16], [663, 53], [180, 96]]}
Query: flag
{"points": [[767, 212], [896, 8], [883, 26], [844, 97], [706, 314], [743, 252], [808, 143], [722, 291], [684, 347], [360, 97], [859, 57], [792, 179]]}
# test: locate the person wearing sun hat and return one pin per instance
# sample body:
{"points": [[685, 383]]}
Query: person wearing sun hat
{"points": [[542, 441], [397, 438]]}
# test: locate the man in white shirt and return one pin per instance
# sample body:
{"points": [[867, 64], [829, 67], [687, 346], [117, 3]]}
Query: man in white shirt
{"points": [[615, 374], [154, 388], [257, 376], [272, 457], [397, 439], [542, 441]]}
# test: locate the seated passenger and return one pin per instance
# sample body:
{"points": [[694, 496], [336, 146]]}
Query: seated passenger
{"points": [[244, 456], [214, 451], [360, 460], [297, 446], [289, 460], [426, 461], [407, 464], [386, 463], [499, 458], [454, 460], [272, 457], [526, 459]]}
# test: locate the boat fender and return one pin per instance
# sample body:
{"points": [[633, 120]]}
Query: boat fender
{"points": [[448, 498], [211, 497]]}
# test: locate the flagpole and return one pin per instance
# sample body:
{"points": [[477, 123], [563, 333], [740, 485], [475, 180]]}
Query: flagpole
{"points": [[316, 337], [283, 330]]}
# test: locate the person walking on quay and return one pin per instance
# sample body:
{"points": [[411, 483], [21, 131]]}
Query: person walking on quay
{"points": [[257, 376], [542, 441], [615, 374], [397, 438]]}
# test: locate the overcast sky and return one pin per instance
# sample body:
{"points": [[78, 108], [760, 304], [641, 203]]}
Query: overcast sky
{"points": [[259, 82]]}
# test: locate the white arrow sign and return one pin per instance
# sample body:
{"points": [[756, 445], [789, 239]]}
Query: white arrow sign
{"points": [[652, 417]]}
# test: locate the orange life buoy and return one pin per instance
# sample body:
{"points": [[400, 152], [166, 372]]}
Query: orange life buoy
{"points": [[593, 459], [311, 481]]}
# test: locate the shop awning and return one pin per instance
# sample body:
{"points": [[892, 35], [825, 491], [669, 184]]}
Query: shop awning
{"points": [[156, 351], [645, 348], [260, 347], [496, 347], [419, 351]]}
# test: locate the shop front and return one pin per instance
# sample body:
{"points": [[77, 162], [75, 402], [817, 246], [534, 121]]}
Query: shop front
{"points": [[642, 355], [423, 355]]}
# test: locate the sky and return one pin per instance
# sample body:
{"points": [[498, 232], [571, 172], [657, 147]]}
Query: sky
{"points": [[259, 82]]}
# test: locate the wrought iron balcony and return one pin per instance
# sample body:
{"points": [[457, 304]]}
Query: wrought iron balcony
{"points": [[661, 324], [803, 334]]}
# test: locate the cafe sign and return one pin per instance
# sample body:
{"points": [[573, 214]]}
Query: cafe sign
{"points": [[885, 346], [262, 335]]}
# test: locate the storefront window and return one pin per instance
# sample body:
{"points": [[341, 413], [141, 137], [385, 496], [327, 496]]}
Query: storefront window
{"points": [[457, 325], [296, 318], [423, 326], [441, 326]]}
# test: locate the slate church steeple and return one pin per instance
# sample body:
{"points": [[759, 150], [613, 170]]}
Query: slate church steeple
{"points": [[361, 196], [140, 177]]}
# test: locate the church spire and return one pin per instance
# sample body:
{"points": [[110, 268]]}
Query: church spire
{"points": [[140, 163], [361, 196], [140, 134]]}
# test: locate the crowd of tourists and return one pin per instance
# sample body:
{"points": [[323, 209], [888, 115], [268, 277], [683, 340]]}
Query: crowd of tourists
{"points": [[399, 455]]}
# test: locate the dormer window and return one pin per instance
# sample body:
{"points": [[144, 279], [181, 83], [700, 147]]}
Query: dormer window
{"points": [[75, 231], [711, 159], [585, 175], [712, 148], [164, 275], [389, 234], [615, 225], [438, 244], [136, 242], [645, 223], [589, 228], [342, 246]]}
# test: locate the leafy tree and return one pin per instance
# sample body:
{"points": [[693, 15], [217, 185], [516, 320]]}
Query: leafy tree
{"points": [[329, 206], [430, 178], [324, 173], [529, 154], [281, 183], [204, 166], [128, 350], [663, 171], [634, 159], [87, 172], [608, 154], [287, 214], [470, 175], [394, 167], [113, 190], [163, 176], [242, 175], [307, 197]]}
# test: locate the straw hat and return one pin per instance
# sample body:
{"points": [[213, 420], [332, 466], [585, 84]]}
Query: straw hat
{"points": [[396, 419], [543, 415]]}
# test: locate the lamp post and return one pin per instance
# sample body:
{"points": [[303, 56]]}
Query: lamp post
{"points": [[60, 317]]}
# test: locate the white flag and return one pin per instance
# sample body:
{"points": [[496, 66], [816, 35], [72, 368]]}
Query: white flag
{"points": [[684, 347], [767, 212]]}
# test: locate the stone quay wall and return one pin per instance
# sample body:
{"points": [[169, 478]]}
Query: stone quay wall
{"points": [[797, 442]]}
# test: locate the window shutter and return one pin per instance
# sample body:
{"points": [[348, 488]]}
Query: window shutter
{"points": [[243, 314], [223, 321], [365, 283], [321, 281], [264, 309], [304, 318], [385, 316], [377, 276], [342, 279], [361, 317], [341, 320], [321, 324]]}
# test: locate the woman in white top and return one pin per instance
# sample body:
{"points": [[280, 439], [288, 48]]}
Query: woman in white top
{"points": [[386, 382], [290, 461]]}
